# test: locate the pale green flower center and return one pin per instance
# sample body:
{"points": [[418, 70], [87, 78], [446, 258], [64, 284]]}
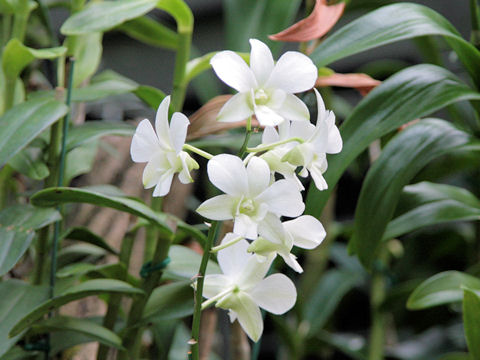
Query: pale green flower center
{"points": [[247, 207], [261, 97]]}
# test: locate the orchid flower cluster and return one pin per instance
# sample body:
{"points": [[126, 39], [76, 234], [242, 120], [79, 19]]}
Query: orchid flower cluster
{"points": [[259, 190]]}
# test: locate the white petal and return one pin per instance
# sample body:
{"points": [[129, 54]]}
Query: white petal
{"points": [[320, 104], [335, 143], [245, 226], [233, 71], [164, 184], [261, 61], [254, 271], [294, 109], [215, 284], [233, 259], [227, 172], [318, 178], [271, 229], [283, 198], [291, 260], [276, 294], [293, 73], [220, 207], [161, 123], [237, 108], [306, 231], [258, 174], [184, 174], [249, 316], [152, 173], [269, 135], [144, 142], [266, 116], [302, 129], [178, 131]]}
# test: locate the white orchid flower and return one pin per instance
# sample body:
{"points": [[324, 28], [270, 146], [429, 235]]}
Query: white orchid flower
{"points": [[162, 150], [249, 197], [305, 232], [242, 289], [265, 89]]}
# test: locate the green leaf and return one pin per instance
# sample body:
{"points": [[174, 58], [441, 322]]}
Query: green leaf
{"points": [[324, 300], [29, 163], [17, 229], [431, 204], [102, 16], [405, 155], [394, 23], [94, 331], [180, 12], [107, 83], [150, 32], [17, 353], [185, 263], [150, 95], [93, 130], [79, 252], [101, 197], [79, 161], [87, 51], [351, 345], [17, 298], [85, 235], [471, 321], [456, 356], [24, 122], [17, 56], [87, 288], [440, 289], [168, 302], [408, 95]]}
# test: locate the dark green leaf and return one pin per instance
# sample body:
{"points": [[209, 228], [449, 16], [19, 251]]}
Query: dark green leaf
{"points": [[405, 155], [394, 23], [24, 122], [431, 204], [17, 353], [89, 328], [150, 95], [150, 32], [102, 16], [85, 235], [79, 252], [29, 163], [17, 229], [471, 321], [87, 288], [17, 299], [79, 161], [408, 95], [100, 197], [442, 288]]}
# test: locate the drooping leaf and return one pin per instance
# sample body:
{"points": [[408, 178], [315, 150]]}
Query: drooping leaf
{"points": [[180, 11], [102, 16], [79, 252], [79, 161], [408, 95], [430, 204], [400, 160], [17, 299], [471, 321], [150, 32], [443, 288], [93, 130], [29, 162], [87, 288], [17, 229], [85, 235], [150, 95], [185, 263], [24, 122], [87, 50], [17, 353], [394, 23], [101, 197]]}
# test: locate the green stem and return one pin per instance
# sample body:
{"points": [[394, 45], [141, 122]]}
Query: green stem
{"points": [[181, 60], [243, 149], [197, 311], [6, 28], [475, 20], [152, 232], [20, 20], [115, 301], [133, 333], [45, 18], [198, 151], [9, 96], [271, 146], [224, 246]]}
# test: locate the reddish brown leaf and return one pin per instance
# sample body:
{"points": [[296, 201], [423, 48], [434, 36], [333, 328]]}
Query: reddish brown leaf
{"points": [[204, 121], [316, 25], [361, 82]]}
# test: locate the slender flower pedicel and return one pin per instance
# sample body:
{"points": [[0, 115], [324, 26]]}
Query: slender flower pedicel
{"points": [[265, 89], [162, 150]]}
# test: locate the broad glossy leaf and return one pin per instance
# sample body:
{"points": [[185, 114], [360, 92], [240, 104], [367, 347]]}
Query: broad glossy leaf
{"points": [[87, 288], [471, 321], [150, 95], [185, 263], [89, 328], [102, 16], [29, 162], [79, 161], [442, 288], [79, 252], [150, 32], [405, 155], [24, 122], [17, 299], [17, 56], [93, 130], [86, 235], [394, 23], [408, 95], [329, 290], [168, 302], [87, 50], [431, 204], [100, 197], [17, 229]]}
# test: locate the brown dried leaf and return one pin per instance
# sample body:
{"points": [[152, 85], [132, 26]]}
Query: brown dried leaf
{"points": [[204, 121], [316, 25], [361, 82]]}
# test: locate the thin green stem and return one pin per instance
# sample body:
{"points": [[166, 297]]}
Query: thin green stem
{"points": [[271, 146], [197, 151], [243, 149], [226, 245], [197, 311], [152, 232]]}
